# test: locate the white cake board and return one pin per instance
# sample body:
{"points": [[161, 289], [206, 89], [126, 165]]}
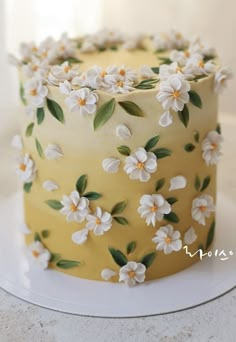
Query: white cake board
{"points": [[202, 282]]}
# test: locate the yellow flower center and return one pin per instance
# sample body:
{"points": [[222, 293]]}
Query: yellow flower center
{"points": [[73, 207], [179, 69], [187, 54], [119, 84], [62, 48], [67, 68], [122, 72], [103, 74], [214, 146], [22, 167], [44, 54], [98, 221], [35, 254], [176, 94], [202, 208], [201, 64], [35, 67], [167, 240], [154, 208], [34, 49], [131, 274], [178, 36], [82, 102], [33, 92], [140, 165]]}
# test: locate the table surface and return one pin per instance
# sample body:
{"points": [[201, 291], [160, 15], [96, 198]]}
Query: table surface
{"points": [[214, 321]]}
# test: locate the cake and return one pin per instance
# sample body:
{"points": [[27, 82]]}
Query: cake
{"points": [[118, 153]]}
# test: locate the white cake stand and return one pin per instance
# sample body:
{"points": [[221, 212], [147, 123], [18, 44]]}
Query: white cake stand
{"points": [[198, 284]]}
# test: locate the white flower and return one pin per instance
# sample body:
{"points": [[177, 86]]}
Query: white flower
{"points": [[53, 152], [75, 208], [185, 72], [180, 57], [65, 87], [107, 274], [61, 73], [132, 273], [153, 208], [160, 41], [88, 46], [65, 47], [123, 132], [141, 164], [166, 119], [221, 77], [28, 50], [35, 68], [178, 182], [111, 165], [83, 100], [167, 239], [202, 207], [17, 142], [35, 92], [173, 93], [13, 60], [26, 169], [24, 229], [190, 236], [169, 40], [211, 147], [199, 66], [38, 254], [118, 85], [50, 185], [146, 72], [132, 43], [100, 222], [80, 237]]}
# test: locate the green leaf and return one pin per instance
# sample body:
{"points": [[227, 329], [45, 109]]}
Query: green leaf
{"points": [[210, 235], [196, 136], [102, 48], [148, 259], [119, 207], [131, 247], [155, 69], [22, 94], [184, 116], [92, 196], [121, 220], [197, 183], [54, 204], [104, 113], [131, 108], [208, 58], [73, 60], [189, 147], [29, 129], [40, 115], [125, 150], [56, 110], [27, 187], [119, 258], [195, 99], [55, 257], [165, 60], [65, 264], [45, 233], [152, 143], [205, 183], [37, 237], [39, 148], [171, 217], [172, 200], [113, 48], [218, 129], [159, 183], [81, 184], [147, 84], [162, 152]]}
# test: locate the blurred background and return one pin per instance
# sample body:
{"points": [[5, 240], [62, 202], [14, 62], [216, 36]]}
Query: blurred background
{"points": [[26, 20]]}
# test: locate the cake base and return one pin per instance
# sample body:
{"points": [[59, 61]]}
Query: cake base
{"points": [[196, 285]]}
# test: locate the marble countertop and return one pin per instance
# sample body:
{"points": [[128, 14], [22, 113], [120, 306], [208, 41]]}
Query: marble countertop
{"points": [[214, 321]]}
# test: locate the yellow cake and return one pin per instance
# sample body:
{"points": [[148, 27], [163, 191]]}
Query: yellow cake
{"points": [[118, 153]]}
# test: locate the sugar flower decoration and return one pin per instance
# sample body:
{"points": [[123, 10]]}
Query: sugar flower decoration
{"points": [[38, 255], [61, 73], [53, 152], [100, 222], [75, 207], [221, 77], [83, 100], [36, 68], [50, 185], [202, 207], [123, 132], [185, 72], [177, 182], [26, 169], [168, 239], [35, 92], [190, 236], [201, 67], [80, 237], [211, 148], [132, 273], [141, 164], [107, 274], [111, 165], [146, 72], [17, 142], [153, 208]]}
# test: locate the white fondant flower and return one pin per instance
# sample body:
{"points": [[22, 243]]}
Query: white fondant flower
{"points": [[65, 47], [221, 77], [167, 239], [132, 273], [75, 208], [111, 165], [118, 85], [26, 169], [202, 207], [123, 132], [190, 236], [17, 142], [166, 119], [173, 93], [35, 68], [100, 222], [141, 164], [131, 43], [80, 237], [24, 229], [185, 72], [199, 66], [83, 100], [88, 46], [178, 182], [61, 73], [38, 254], [50, 185], [65, 87], [53, 152], [153, 208], [107, 274], [169, 40], [211, 147], [146, 72], [35, 92], [28, 50]]}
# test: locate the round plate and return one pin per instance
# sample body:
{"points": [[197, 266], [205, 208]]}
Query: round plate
{"points": [[202, 282]]}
